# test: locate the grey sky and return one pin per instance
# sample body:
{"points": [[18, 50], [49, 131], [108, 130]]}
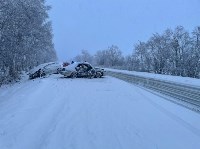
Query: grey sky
{"points": [[96, 24]]}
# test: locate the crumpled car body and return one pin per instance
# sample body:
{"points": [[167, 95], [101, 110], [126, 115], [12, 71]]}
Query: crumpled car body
{"points": [[81, 69], [44, 69]]}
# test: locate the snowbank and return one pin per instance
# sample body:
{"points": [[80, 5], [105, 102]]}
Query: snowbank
{"points": [[175, 79]]}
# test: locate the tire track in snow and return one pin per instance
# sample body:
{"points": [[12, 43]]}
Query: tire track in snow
{"points": [[180, 121]]}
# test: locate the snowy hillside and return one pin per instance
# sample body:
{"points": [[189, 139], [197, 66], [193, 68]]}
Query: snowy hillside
{"points": [[106, 113]]}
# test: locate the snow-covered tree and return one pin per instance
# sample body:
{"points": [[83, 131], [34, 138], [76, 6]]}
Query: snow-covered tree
{"points": [[109, 57], [173, 52], [84, 56], [181, 50], [100, 57], [25, 35], [195, 55], [114, 56]]}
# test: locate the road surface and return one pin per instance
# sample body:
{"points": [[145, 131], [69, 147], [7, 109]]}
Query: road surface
{"points": [[105, 113]]}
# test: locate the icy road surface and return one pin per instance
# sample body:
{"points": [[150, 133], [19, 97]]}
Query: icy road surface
{"points": [[59, 113]]}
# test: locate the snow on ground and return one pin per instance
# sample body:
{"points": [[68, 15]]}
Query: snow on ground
{"points": [[177, 79], [105, 113]]}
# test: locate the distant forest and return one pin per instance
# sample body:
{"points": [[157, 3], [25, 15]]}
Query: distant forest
{"points": [[174, 52], [25, 37]]}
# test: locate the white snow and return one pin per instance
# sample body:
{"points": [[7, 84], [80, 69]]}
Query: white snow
{"points": [[176, 79], [105, 113]]}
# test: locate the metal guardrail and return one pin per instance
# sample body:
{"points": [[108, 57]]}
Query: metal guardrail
{"points": [[185, 93]]}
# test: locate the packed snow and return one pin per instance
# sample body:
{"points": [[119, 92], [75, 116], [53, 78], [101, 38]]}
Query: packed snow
{"points": [[104, 113]]}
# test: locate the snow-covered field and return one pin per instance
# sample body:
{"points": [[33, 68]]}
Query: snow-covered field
{"points": [[106, 113]]}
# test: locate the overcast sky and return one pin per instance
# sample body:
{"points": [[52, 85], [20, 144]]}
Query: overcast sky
{"points": [[96, 24]]}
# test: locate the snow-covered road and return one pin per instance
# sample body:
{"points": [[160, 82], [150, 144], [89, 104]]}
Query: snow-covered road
{"points": [[106, 113]]}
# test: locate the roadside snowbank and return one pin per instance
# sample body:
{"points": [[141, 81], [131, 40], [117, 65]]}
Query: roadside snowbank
{"points": [[175, 79]]}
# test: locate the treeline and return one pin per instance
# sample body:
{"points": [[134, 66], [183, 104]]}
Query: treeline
{"points": [[174, 52], [25, 37]]}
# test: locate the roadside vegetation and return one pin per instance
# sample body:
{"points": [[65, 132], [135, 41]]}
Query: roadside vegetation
{"points": [[25, 37], [174, 52]]}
